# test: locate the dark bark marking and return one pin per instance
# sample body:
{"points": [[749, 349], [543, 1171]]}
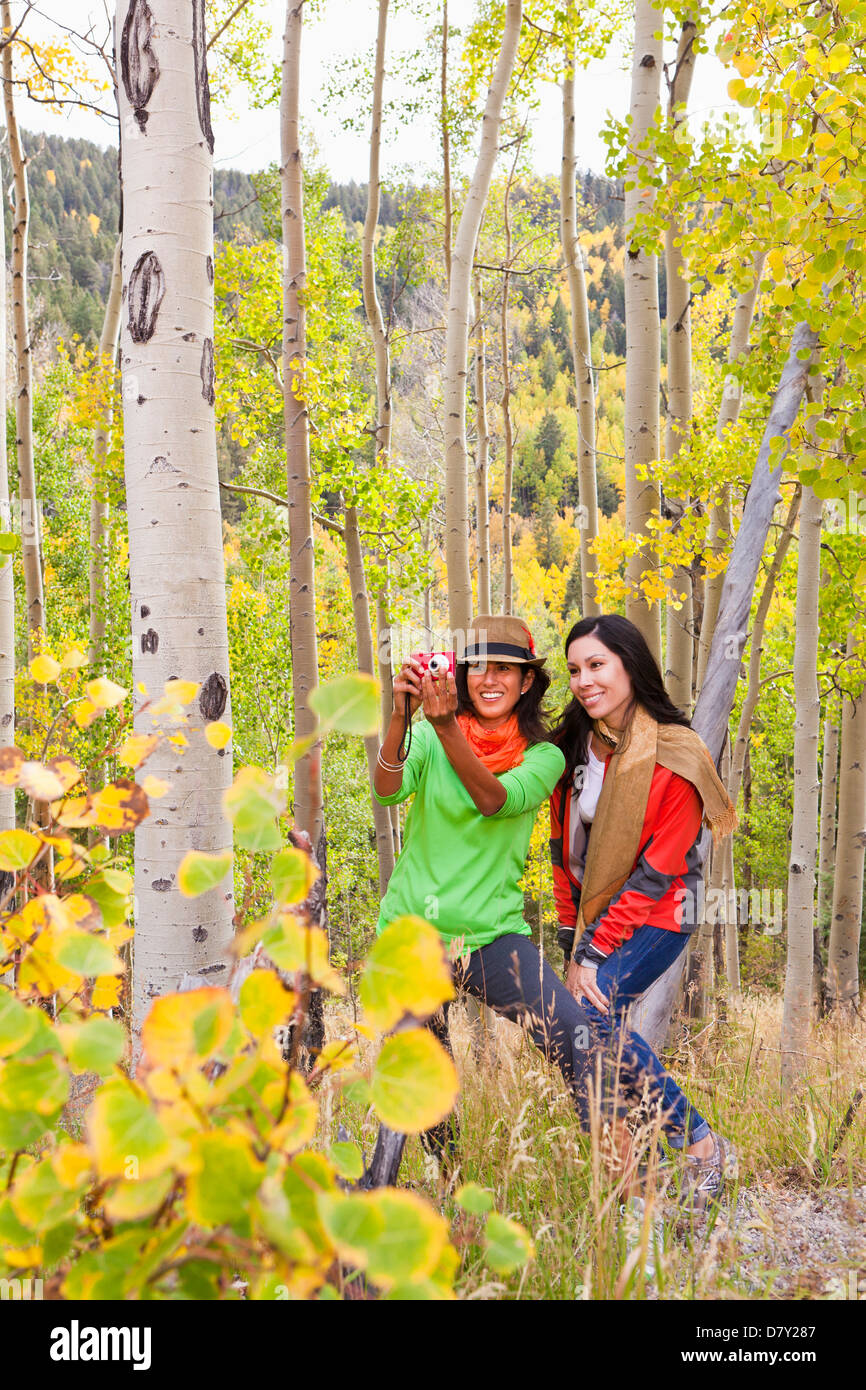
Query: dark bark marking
{"points": [[146, 293], [647, 61], [199, 934], [200, 631], [139, 66], [202, 86], [145, 611], [213, 696], [206, 371], [161, 465], [149, 641], [161, 885], [209, 264]]}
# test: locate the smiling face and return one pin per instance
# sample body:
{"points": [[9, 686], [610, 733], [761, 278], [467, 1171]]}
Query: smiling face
{"points": [[599, 681], [495, 688]]}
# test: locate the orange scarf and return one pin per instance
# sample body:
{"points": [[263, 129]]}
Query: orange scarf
{"points": [[498, 749]]}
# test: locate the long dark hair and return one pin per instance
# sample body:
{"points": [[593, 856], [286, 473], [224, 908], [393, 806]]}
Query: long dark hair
{"points": [[628, 643], [531, 718]]}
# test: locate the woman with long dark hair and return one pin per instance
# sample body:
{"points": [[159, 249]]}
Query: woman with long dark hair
{"points": [[626, 821], [479, 767]]}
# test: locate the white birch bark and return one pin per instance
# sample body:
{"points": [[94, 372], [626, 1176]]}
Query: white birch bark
{"points": [[176, 566], [445, 136], [826, 847], [457, 335], [302, 574], [482, 453], [680, 610], [381, 348], [729, 411], [581, 343], [99, 497], [642, 327], [31, 519], [804, 830], [7, 587], [843, 984]]}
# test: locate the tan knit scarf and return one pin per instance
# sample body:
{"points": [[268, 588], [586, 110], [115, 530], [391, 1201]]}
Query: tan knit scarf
{"points": [[616, 828]]}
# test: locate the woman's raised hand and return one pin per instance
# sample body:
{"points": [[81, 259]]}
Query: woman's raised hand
{"points": [[407, 686], [439, 698]]}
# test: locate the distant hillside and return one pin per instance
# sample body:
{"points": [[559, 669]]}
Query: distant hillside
{"points": [[74, 210]]}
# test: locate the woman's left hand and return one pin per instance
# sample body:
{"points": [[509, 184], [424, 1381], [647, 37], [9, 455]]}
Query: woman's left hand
{"points": [[582, 982], [439, 698]]}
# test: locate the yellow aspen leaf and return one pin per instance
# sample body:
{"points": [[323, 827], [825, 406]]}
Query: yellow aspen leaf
{"points": [[745, 64], [293, 946], [182, 691], [137, 748], [218, 734], [11, 760], [141, 688], [71, 1164], [415, 1083], [122, 1122], [265, 1002], [120, 806], [73, 658], [182, 1028], [44, 669], [40, 782], [106, 992], [299, 1125], [85, 713], [824, 141], [66, 769], [179, 740], [74, 814], [105, 694], [154, 788]]}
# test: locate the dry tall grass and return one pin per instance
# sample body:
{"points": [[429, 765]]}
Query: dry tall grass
{"points": [[794, 1224]]}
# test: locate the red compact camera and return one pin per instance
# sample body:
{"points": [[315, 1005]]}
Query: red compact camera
{"points": [[437, 663]]}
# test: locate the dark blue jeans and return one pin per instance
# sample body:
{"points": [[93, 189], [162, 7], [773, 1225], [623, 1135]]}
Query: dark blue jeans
{"points": [[514, 979], [628, 1058]]}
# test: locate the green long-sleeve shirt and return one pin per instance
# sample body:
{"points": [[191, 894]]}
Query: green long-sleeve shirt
{"points": [[459, 869]]}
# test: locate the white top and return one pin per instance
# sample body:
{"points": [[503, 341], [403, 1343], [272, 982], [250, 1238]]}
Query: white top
{"points": [[593, 776]]}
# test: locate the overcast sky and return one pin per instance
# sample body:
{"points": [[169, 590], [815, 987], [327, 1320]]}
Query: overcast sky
{"points": [[249, 140]]}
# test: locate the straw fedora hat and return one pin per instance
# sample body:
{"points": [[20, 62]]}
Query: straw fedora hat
{"points": [[492, 635]]}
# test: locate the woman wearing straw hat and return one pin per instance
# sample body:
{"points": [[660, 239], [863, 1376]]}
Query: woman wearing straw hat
{"points": [[479, 767], [626, 820]]}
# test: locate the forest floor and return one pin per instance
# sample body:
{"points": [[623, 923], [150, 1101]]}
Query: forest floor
{"points": [[793, 1226]]}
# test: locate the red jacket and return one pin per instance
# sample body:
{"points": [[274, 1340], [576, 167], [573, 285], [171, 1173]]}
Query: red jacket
{"points": [[663, 886]]}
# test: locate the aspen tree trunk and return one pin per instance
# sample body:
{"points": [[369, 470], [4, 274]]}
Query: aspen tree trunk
{"points": [[507, 431], [804, 831], [732, 941], [843, 985], [31, 522], [7, 587], [457, 336], [680, 619], [366, 662], [717, 692], [99, 498], [482, 446], [177, 575], [756, 642], [581, 342], [302, 577], [643, 335], [826, 846], [445, 135], [381, 349], [729, 411]]}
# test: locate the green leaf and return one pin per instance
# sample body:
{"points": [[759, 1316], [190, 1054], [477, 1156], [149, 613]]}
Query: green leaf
{"points": [[87, 955], [18, 848], [474, 1199], [394, 1235], [349, 704], [114, 902], [347, 1160], [125, 1135], [9, 542], [507, 1244], [95, 1045], [199, 873], [252, 804], [415, 1084], [227, 1178], [293, 874], [406, 973], [17, 1023]]}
